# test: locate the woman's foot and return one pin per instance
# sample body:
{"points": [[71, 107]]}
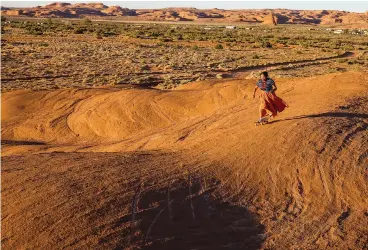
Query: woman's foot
{"points": [[264, 119]]}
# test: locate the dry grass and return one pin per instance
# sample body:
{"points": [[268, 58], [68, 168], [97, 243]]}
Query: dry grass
{"points": [[61, 60]]}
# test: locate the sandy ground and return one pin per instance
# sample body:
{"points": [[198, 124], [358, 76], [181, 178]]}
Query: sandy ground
{"points": [[187, 168]]}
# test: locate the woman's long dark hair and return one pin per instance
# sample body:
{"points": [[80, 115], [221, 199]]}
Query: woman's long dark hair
{"points": [[265, 73]]}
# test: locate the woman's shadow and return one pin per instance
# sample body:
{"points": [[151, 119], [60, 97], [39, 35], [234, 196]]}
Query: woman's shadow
{"points": [[199, 222], [327, 114]]}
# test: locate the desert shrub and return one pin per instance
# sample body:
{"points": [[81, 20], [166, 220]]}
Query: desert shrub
{"points": [[292, 42], [352, 61], [278, 41], [348, 47], [165, 39], [109, 33], [32, 30], [219, 46], [189, 36], [323, 39], [342, 60], [3, 20], [98, 34], [138, 34], [49, 21], [229, 39], [43, 44], [266, 44], [290, 36], [155, 34], [86, 21], [80, 30], [255, 56], [305, 45]]}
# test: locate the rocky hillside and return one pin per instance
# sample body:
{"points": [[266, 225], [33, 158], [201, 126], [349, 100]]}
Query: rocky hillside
{"points": [[264, 16], [102, 168]]}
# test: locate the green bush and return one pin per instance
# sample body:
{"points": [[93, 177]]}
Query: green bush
{"points": [[342, 60], [43, 44], [86, 21], [265, 44], [80, 30], [34, 31], [352, 61], [219, 46]]}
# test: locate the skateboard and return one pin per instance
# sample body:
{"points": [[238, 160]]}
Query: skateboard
{"points": [[262, 121]]}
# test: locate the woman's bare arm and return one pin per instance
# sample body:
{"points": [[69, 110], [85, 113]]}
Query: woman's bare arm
{"points": [[254, 92], [274, 87]]}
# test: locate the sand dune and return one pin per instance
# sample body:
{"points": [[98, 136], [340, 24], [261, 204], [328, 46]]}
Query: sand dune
{"points": [[73, 160]]}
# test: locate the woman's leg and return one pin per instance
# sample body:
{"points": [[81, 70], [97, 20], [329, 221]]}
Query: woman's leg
{"points": [[265, 108], [262, 111]]}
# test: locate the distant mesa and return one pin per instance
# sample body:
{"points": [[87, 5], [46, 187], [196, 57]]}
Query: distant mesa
{"points": [[89, 5], [11, 12], [257, 16], [4, 8], [270, 19], [118, 11], [324, 12]]}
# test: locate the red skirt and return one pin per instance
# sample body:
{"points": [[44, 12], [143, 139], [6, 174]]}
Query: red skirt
{"points": [[270, 103]]}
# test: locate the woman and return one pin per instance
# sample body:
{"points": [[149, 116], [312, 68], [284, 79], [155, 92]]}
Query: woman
{"points": [[269, 102]]}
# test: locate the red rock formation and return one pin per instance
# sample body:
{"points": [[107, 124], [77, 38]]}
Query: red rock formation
{"points": [[11, 12], [265, 16], [270, 19]]}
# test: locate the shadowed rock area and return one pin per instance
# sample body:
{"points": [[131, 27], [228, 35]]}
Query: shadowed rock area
{"points": [[187, 168]]}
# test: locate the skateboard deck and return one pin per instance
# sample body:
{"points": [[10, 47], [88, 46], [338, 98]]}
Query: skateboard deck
{"points": [[262, 121]]}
